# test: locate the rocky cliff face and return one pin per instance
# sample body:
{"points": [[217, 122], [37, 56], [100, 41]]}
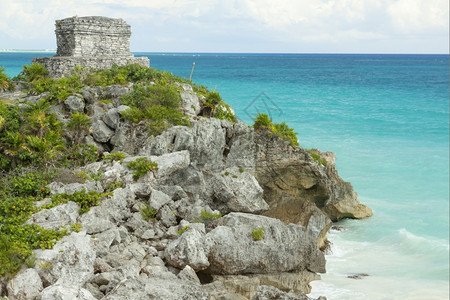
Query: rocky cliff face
{"points": [[185, 250]]}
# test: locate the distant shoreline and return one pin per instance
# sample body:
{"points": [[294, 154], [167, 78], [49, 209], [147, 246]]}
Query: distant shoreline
{"points": [[27, 50]]}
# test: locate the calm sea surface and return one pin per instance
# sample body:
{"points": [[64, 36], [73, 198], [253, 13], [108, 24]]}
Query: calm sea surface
{"points": [[386, 117]]}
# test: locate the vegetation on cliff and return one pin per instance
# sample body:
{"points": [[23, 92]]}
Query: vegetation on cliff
{"points": [[282, 130], [34, 144]]}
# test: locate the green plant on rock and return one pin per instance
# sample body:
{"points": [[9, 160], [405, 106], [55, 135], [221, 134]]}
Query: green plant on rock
{"points": [[209, 216], [84, 199], [282, 130], [147, 212], [183, 230], [142, 166], [258, 234], [31, 184], [32, 72], [76, 227], [114, 185], [78, 126], [115, 156], [317, 158]]}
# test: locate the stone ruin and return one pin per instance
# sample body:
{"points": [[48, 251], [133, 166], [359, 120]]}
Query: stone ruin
{"points": [[92, 42]]}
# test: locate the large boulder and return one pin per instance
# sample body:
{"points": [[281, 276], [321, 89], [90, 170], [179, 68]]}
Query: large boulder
{"points": [[70, 262], [188, 250], [56, 217], [27, 285], [236, 190], [232, 248], [156, 287], [66, 292]]}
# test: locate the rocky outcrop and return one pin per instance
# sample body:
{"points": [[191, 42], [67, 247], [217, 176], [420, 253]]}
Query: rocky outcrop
{"points": [[186, 230], [302, 190]]}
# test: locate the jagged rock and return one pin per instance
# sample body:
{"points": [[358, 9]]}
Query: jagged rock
{"points": [[218, 291], [167, 216], [56, 217], [190, 103], [104, 240], [233, 190], [27, 285], [158, 288], [113, 209], [112, 118], [60, 188], [232, 249], [65, 292], [74, 104], [205, 141], [129, 138], [158, 199], [141, 190], [318, 226], [187, 250], [242, 147], [266, 292], [296, 187], [101, 132], [247, 285], [70, 262], [171, 162], [115, 173], [189, 274]]}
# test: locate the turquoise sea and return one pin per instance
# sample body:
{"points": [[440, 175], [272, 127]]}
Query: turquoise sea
{"points": [[386, 117]]}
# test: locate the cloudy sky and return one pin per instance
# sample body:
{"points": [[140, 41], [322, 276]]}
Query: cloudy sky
{"points": [[283, 26]]}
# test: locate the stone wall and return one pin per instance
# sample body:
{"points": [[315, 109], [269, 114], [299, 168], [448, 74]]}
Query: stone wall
{"points": [[92, 36], [92, 42]]}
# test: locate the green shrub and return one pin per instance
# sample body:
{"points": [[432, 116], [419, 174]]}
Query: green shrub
{"points": [[286, 133], [317, 158], [85, 199], [76, 227], [31, 184], [116, 156], [147, 212], [141, 166], [144, 96], [78, 126], [262, 121], [282, 130], [207, 216], [32, 72], [241, 170], [5, 81], [258, 234], [224, 112], [212, 99], [114, 185]]}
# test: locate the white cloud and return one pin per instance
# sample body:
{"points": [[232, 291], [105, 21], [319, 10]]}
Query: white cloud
{"points": [[419, 16], [214, 23]]}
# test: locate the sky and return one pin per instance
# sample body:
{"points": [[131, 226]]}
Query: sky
{"points": [[243, 26]]}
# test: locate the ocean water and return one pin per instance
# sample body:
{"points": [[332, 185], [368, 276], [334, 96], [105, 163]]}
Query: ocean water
{"points": [[386, 117]]}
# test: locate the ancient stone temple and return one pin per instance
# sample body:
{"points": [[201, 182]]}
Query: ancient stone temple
{"points": [[92, 42]]}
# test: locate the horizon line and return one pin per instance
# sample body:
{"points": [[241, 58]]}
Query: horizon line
{"points": [[280, 53]]}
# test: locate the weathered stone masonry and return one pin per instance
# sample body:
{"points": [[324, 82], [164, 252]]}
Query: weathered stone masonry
{"points": [[92, 42]]}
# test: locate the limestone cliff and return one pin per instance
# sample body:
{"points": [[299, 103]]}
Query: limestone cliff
{"points": [[187, 229]]}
